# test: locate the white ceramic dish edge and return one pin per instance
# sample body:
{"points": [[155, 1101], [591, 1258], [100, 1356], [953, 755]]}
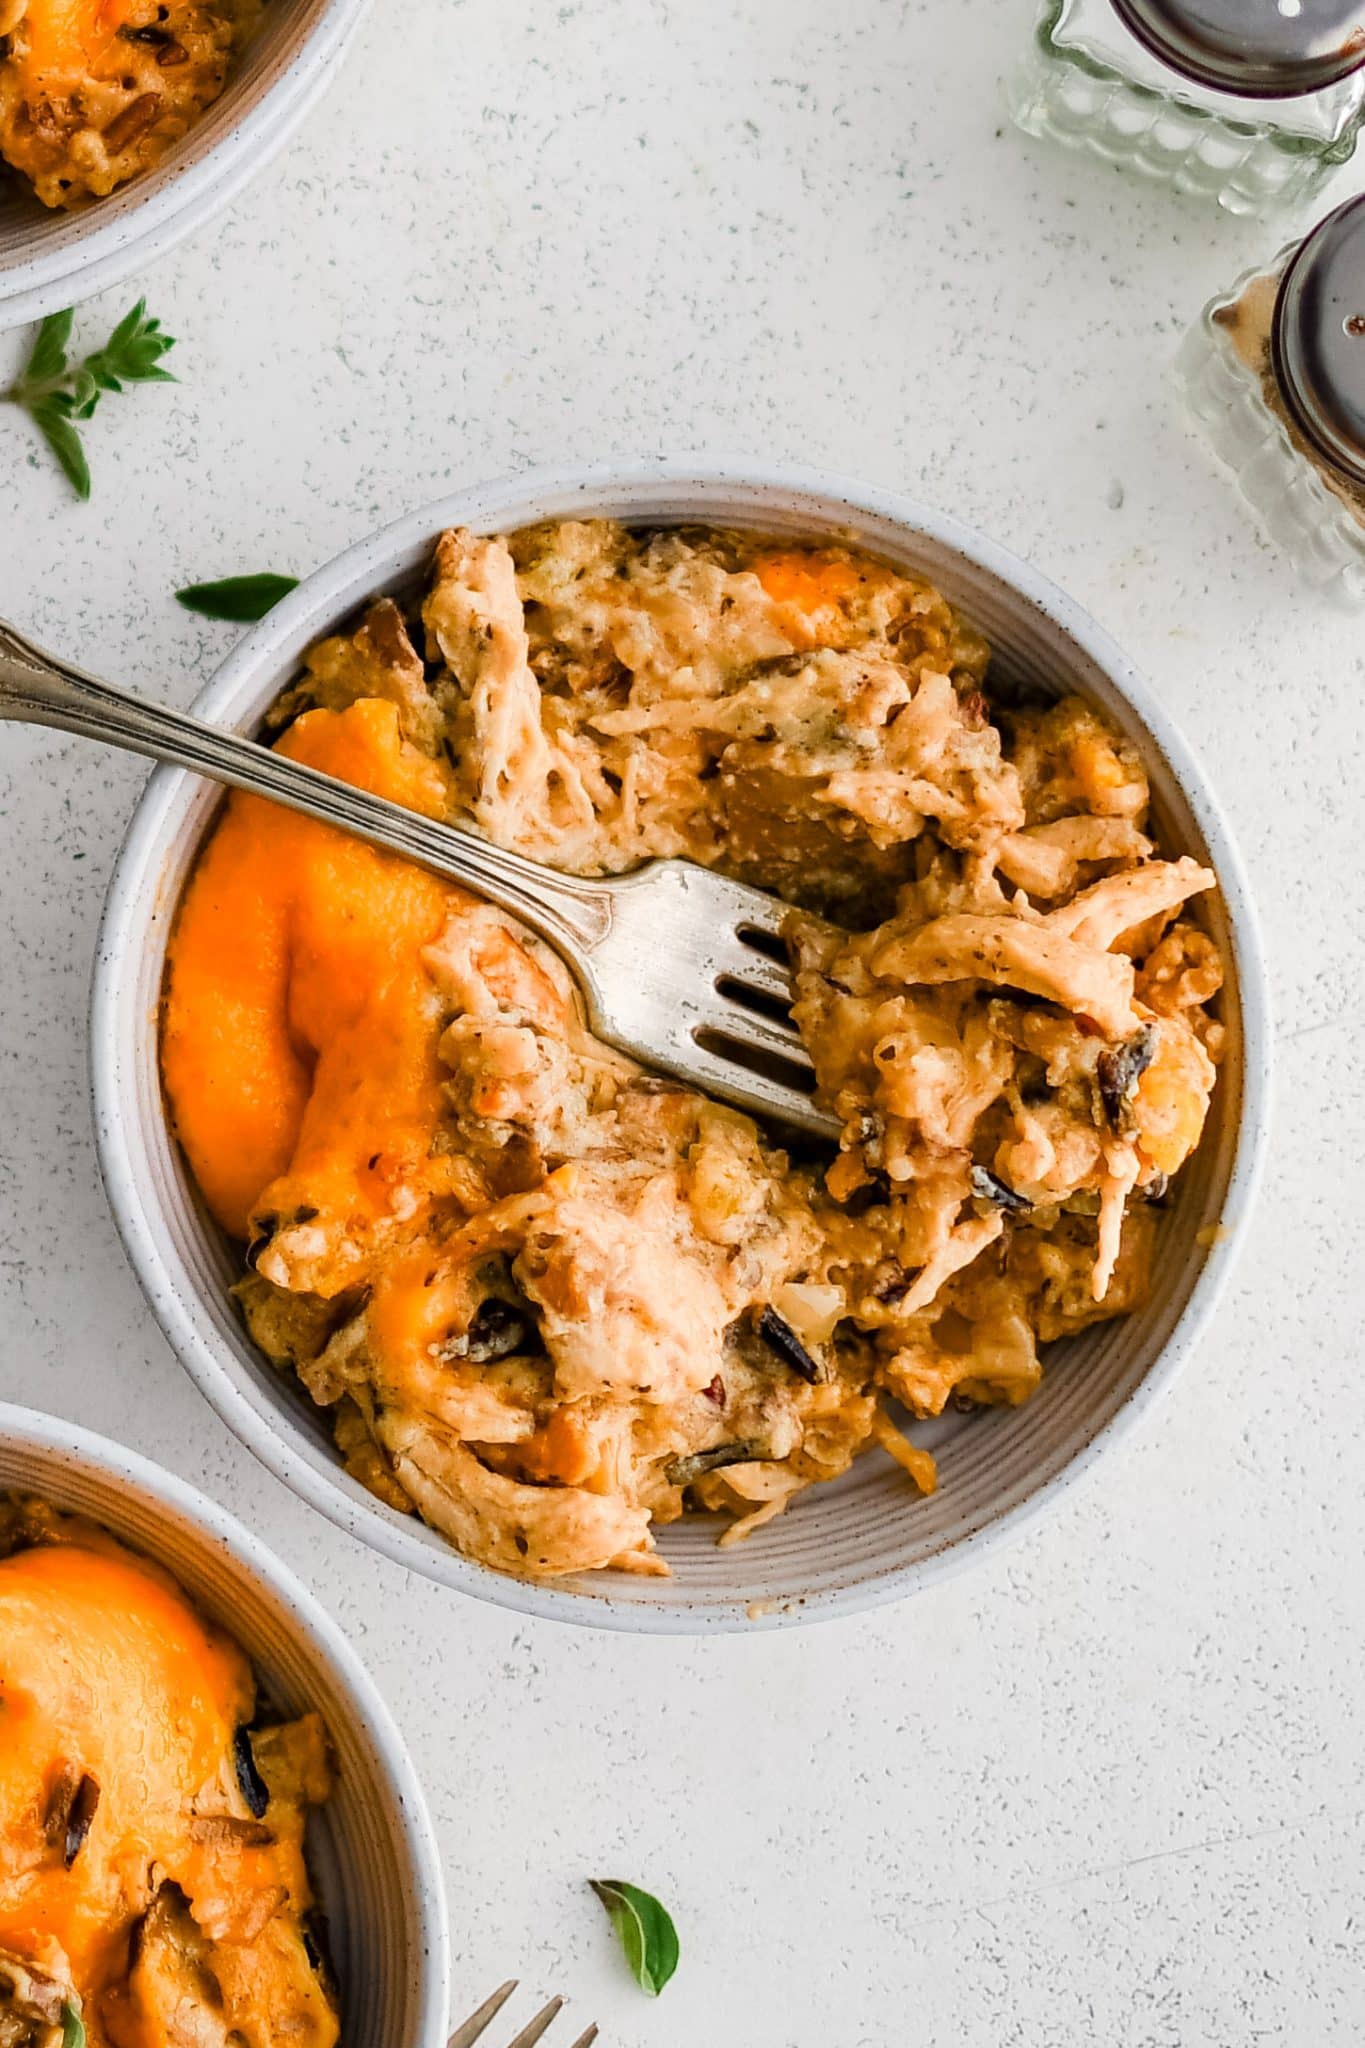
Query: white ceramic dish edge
{"points": [[140, 230], [704, 490], [236, 1579]]}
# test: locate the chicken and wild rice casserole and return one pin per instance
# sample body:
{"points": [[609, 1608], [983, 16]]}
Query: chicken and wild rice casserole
{"points": [[154, 1891], [552, 1301], [93, 92]]}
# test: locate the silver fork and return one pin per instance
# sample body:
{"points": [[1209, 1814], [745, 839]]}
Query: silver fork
{"points": [[679, 967], [478, 2022]]}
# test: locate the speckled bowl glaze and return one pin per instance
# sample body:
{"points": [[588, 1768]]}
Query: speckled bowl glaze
{"points": [[371, 1850], [49, 260], [866, 1538]]}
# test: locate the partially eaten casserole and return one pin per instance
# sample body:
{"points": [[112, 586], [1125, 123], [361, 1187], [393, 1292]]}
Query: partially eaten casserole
{"points": [[153, 1888], [92, 92], [552, 1301]]}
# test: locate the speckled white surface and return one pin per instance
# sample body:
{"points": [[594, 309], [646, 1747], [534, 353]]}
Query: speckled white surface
{"points": [[1108, 1789]]}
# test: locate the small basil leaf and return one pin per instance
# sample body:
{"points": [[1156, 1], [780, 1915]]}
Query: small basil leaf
{"points": [[242, 598], [646, 1932], [73, 2027]]}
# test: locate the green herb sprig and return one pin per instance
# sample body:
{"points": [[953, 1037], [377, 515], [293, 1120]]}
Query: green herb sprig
{"points": [[242, 598], [73, 2027], [59, 395], [647, 1934]]}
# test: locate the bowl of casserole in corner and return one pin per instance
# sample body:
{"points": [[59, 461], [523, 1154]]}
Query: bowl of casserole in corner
{"points": [[126, 124], [211, 1828], [580, 1341]]}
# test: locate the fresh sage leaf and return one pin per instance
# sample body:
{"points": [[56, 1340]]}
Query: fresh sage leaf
{"points": [[237, 597], [646, 1932], [55, 393], [73, 2027]]}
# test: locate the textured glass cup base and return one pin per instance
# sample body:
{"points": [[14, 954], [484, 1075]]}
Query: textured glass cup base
{"points": [[1293, 505], [1249, 168]]}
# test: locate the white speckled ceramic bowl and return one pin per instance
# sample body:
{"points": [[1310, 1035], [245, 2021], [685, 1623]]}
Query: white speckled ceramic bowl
{"points": [[371, 1850], [49, 260], [866, 1538]]}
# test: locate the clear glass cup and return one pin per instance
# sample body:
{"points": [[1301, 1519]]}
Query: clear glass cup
{"points": [[1269, 372], [1088, 81]]}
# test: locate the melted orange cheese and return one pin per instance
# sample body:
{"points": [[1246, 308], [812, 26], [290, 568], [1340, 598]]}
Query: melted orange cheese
{"points": [[104, 1668], [1171, 1101], [300, 1035], [412, 1307], [812, 582], [70, 37], [812, 589]]}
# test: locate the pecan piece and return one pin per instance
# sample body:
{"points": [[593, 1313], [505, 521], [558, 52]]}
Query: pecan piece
{"points": [[136, 118], [219, 1828]]}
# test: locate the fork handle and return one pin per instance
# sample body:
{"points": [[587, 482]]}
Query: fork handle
{"points": [[36, 688]]}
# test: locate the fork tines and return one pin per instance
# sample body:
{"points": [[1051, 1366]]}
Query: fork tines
{"points": [[478, 2022]]}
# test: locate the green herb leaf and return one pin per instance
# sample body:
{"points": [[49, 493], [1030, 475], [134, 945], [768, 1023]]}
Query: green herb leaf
{"points": [[54, 393], [237, 597], [73, 2027], [647, 1934], [49, 416], [129, 325], [49, 350], [85, 392], [132, 352]]}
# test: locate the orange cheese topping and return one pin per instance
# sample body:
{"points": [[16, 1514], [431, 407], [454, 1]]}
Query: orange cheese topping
{"points": [[563, 1451], [413, 1306], [812, 582], [812, 589], [105, 1669], [1171, 1101], [300, 1030], [71, 36]]}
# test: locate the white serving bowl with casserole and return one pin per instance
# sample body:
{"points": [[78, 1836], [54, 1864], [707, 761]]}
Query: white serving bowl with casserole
{"points": [[179, 1865], [177, 118], [523, 1461]]}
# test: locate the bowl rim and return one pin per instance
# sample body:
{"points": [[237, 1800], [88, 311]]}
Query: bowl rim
{"points": [[133, 1473], [315, 608], [128, 231]]}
